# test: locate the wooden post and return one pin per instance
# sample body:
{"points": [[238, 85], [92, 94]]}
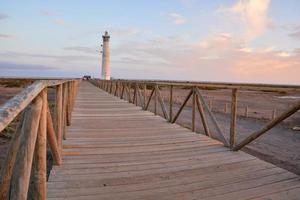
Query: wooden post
{"points": [[140, 96], [210, 105], [134, 94], [246, 111], [40, 167], [122, 91], [64, 106], [22, 169], [193, 110], [53, 142], [116, 91], [171, 104], [58, 113], [68, 106], [155, 99], [144, 97], [111, 86], [128, 93], [8, 165], [268, 126], [225, 108], [274, 113], [233, 118]]}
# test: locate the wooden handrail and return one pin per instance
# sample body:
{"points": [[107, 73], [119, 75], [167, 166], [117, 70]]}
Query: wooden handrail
{"points": [[214, 85], [27, 152], [200, 103]]}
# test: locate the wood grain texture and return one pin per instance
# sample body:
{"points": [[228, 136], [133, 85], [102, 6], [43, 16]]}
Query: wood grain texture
{"points": [[115, 150], [22, 169]]}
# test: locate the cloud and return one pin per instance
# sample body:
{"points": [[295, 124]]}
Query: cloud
{"points": [[252, 15], [23, 66], [124, 31], [177, 18], [5, 35], [54, 17], [59, 21], [58, 58], [88, 50], [3, 16], [295, 33]]}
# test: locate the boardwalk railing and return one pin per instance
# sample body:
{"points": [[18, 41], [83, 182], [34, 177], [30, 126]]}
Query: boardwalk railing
{"points": [[121, 88], [23, 173]]}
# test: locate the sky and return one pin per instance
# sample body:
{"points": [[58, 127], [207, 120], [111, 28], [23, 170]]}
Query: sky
{"points": [[256, 41]]}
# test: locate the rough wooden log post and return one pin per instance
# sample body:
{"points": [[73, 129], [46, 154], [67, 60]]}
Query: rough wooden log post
{"points": [[128, 92], [8, 164], [40, 167], [140, 97], [267, 127], [171, 104], [193, 110], [182, 106], [116, 91], [233, 119], [274, 113], [122, 92], [210, 105], [203, 117], [134, 94], [64, 110], [22, 169], [68, 106], [111, 87], [246, 111], [155, 100], [144, 96], [52, 141], [225, 108], [58, 114]]}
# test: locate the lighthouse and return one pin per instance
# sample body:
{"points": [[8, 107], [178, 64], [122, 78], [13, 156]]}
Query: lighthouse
{"points": [[105, 57]]}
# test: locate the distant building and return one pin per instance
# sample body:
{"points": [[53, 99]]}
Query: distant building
{"points": [[86, 77]]}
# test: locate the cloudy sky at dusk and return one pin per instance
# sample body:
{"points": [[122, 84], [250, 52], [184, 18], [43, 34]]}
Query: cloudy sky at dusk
{"points": [[220, 40]]}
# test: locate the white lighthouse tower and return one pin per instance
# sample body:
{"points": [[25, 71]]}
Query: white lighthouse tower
{"points": [[105, 57]]}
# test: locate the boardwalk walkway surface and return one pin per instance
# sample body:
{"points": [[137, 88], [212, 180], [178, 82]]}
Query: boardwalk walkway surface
{"points": [[115, 150]]}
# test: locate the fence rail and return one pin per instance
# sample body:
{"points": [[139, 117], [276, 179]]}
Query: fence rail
{"points": [[121, 87], [23, 173]]}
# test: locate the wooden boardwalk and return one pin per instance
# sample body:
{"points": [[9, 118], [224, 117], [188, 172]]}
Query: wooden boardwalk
{"points": [[115, 150]]}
